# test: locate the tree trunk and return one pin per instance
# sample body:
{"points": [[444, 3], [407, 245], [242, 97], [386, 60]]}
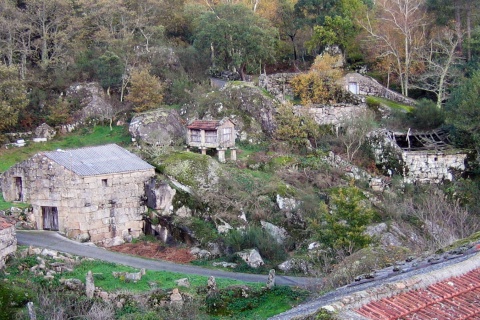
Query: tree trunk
{"points": [[458, 25]]}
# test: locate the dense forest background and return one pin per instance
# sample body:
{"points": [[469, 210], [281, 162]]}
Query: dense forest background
{"points": [[153, 52]]}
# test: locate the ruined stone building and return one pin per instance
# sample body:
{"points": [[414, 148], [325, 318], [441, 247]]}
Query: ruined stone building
{"points": [[92, 193], [423, 157], [213, 134]]}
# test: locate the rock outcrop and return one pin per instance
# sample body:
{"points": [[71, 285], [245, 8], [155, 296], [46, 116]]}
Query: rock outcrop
{"points": [[159, 127], [8, 239]]}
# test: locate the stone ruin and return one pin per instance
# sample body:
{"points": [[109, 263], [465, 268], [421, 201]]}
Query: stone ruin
{"points": [[423, 157]]}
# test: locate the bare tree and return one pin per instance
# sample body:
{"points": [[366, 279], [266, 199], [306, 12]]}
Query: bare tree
{"points": [[355, 132], [398, 30], [439, 57]]}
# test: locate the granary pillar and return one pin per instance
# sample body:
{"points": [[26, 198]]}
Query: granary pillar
{"points": [[221, 154], [203, 150], [233, 154]]}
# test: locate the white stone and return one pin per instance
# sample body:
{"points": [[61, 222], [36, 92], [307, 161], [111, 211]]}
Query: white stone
{"points": [[251, 257]]}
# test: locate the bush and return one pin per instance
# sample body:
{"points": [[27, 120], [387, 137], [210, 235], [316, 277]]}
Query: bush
{"points": [[426, 115], [258, 238]]}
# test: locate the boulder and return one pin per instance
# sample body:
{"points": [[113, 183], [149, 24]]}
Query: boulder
{"points": [[176, 297], [200, 253], [296, 265], [183, 282], [160, 196], [251, 257], [73, 284], [225, 264], [160, 127], [45, 131], [278, 233], [92, 101]]}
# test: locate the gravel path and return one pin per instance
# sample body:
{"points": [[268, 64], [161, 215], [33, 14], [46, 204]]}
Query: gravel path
{"points": [[53, 240]]}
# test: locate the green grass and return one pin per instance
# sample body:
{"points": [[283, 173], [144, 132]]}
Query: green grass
{"points": [[391, 104], [84, 137]]}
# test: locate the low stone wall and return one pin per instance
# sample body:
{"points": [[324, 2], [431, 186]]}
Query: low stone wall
{"points": [[8, 240], [278, 84], [333, 114]]}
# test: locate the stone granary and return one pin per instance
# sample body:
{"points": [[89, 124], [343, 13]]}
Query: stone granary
{"points": [[213, 134], [424, 157], [92, 193]]}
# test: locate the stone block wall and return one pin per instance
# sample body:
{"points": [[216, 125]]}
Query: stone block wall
{"points": [[105, 209], [278, 84], [333, 114], [431, 167], [8, 240]]}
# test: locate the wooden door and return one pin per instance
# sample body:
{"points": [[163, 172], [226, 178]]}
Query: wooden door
{"points": [[50, 218]]}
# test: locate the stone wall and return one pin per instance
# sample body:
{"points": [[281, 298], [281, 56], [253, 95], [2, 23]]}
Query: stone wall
{"points": [[370, 87], [333, 114], [8, 240], [432, 167], [105, 209], [427, 166], [278, 84]]}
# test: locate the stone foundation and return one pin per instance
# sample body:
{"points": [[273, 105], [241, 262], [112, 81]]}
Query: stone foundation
{"points": [[8, 240], [333, 114]]}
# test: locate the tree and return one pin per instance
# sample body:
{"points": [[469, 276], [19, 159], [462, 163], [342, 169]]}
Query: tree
{"points": [[355, 132], [341, 225], [440, 59], [397, 29], [319, 85], [109, 70], [235, 38], [13, 98], [463, 112], [146, 90]]}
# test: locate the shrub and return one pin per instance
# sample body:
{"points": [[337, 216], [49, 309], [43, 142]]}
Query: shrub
{"points": [[426, 115], [256, 237]]}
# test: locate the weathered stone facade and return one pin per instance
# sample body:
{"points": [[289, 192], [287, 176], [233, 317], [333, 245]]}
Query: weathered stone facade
{"points": [[422, 166], [278, 84], [333, 114], [8, 239], [366, 86], [103, 208]]}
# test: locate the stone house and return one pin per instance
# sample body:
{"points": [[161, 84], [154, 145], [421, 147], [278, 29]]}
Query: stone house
{"points": [[425, 157], [357, 83], [93, 193], [8, 239], [213, 134]]}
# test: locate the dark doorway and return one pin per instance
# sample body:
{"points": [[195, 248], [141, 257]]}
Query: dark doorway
{"points": [[50, 218], [18, 189]]}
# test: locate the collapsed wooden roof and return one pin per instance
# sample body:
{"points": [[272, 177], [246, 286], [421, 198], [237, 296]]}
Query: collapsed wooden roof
{"points": [[436, 140]]}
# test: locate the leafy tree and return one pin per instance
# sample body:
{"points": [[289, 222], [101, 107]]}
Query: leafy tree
{"points": [[341, 224], [109, 70], [463, 112], [355, 130], [319, 85], [146, 91], [13, 98], [235, 38], [426, 115]]}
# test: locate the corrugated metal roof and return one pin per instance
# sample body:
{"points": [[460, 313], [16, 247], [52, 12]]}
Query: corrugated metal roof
{"points": [[91, 161], [204, 124]]}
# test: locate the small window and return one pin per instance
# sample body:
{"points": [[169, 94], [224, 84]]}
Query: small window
{"points": [[104, 182], [211, 136], [195, 136]]}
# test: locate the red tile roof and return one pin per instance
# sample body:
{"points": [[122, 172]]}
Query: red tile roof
{"points": [[204, 124], [6, 222], [454, 298]]}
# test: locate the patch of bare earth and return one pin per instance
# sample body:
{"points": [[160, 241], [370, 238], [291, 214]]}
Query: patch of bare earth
{"points": [[155, 251]]}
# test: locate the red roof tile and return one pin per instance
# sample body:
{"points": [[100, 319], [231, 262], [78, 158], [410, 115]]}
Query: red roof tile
{"points": [[454, 298], [204, 124], [5, 222]]}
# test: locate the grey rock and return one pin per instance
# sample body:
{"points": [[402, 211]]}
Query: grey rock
{"points": [[89, 285], [271, 279], [251, 257]]}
